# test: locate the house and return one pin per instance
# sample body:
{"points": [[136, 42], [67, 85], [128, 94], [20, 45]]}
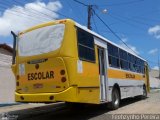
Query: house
{"points": [[5, 55], [6, 49]]}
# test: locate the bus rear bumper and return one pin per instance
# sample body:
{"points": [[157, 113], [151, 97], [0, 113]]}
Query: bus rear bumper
{"points": [[66, 95]]}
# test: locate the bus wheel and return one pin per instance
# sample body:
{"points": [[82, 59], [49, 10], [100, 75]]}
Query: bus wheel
{"points": [[144, 92], [115, 99]]}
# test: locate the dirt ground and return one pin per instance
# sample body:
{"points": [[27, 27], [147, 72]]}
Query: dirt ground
{"points": [[59, 111], [136, 106]]}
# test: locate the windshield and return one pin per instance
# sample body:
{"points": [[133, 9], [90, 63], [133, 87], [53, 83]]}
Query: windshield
{"points": [[41, 40]]}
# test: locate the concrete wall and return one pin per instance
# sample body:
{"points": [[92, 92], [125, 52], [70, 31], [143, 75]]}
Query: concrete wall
{"points": [[154, 78], [154, 82], [7, 80]]}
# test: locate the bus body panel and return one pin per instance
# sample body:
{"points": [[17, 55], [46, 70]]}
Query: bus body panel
{"points": [[42, 76], [72, 94]]}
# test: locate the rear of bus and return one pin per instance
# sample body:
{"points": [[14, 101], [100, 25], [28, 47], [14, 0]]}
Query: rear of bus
{"points": [[40, 67], [46, 66]]}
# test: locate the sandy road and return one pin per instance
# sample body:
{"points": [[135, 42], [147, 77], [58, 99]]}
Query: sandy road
{"points": [[91, 112]]}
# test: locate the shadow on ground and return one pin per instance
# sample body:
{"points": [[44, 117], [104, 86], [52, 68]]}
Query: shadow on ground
{"points": [[66, 113]]}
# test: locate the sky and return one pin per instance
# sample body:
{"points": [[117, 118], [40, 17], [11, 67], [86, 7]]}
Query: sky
{"points": [[135, 22]]}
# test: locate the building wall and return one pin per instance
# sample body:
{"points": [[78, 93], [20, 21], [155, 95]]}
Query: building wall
{"points": [[7, 80], [154, 78]]}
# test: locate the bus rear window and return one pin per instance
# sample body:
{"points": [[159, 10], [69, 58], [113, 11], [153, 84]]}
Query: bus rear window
{"points": [[40, 41]]}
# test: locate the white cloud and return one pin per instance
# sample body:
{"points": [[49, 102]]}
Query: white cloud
{"points": [[155, 31], [153, 51], [155, 68], [19, 18]]}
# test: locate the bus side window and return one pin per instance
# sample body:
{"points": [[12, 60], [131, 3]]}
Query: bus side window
{"points": [[123, 59], [113, 55], [86, 50]]}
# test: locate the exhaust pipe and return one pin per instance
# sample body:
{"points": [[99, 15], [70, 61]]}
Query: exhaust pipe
{"points": [[14, 47]]}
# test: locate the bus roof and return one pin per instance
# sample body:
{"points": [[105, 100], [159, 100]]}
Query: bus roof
{"points": [[82, 27], [106, 40]]}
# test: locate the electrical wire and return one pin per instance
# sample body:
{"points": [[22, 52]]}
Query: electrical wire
{"points": [[113, 32], [125, 21], [95, 25], [93, 18], [33, 16], [123, 3], [131, 19], [111, 29], [81, 3], [20, 3], [120, 38], [78, 15], [52, 11], [19, 13]]}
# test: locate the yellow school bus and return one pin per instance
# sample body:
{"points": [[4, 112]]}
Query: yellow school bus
{"points": [[64, 61]]}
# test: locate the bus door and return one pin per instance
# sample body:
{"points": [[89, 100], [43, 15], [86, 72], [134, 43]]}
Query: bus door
{"points": [[146, 71], [102, 73]]}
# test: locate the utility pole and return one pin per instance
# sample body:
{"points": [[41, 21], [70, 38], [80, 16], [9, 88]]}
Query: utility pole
{"points": [[158, 65], [90, 12], [89, 16]]}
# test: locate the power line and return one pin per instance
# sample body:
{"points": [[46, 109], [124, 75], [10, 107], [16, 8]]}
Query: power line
{"points": [[147, 19], [111, 29], [93, 20], [120, 38], [81, 3], [125, 21], [114, 32], [123, 3], [95, 25], [52, 11], [20, 3], [13, 12], [131, 19], [33, 15], [120, 33], [107, 26], [90, 12], [69, 5]]}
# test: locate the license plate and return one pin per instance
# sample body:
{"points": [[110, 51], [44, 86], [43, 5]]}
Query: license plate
{"points": [[37, 86]]}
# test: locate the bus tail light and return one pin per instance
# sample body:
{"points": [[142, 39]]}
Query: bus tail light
{"points": [[51, 97], [62, 72], [63, 79], [17, 77], [17, 83], [22, 98]]}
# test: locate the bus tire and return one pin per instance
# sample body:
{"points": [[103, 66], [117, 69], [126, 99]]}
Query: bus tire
{"points": [[114, 104]]}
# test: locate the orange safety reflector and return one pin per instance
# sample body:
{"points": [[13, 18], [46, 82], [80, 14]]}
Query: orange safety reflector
{"points": [[62, 21]]}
